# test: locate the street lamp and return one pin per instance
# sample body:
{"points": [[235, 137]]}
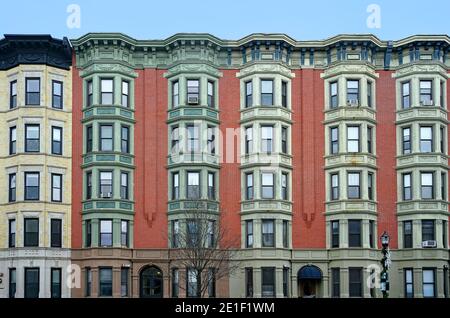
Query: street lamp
{"points": [[385, 262]]}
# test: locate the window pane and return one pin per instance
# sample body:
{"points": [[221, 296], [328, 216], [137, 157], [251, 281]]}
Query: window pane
{"points": [[266, 86]]}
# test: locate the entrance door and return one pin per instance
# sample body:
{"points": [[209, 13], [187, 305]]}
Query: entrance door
{"points": [[308, 289], [151, 283]]}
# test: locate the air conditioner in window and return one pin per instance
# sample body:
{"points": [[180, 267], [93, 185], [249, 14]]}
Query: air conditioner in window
{"points": [[428, 244], [192, 100], [106, 195], [353, 102], [427, 103]]}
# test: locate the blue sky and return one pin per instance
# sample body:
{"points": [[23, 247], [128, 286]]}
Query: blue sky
{"points": [[228, 19]]}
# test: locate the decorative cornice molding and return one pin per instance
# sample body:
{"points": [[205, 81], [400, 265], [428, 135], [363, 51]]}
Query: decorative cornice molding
{"points": [[192, 68], [347, 68], [421, 68], [108, 68], [267, 68]]}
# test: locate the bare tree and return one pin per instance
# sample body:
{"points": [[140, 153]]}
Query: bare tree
{"points": [[204, 247]]}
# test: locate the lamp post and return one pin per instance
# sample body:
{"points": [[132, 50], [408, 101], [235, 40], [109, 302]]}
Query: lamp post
{"points": [[385, 262]]}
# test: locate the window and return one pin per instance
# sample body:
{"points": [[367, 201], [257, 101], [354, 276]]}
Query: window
{"points": [[249, 233], [267, 183], [57, 94], [267, 139], [285, 282], [284, 186], [284, 94], [266, 92], [406, 140], [407, 234], [175, 233], [175, 282], [249, 186], [334, 140], [428, 233], [211, 140], [124, 274], [55, 283], [442, 139], [409, 282], [248, 94], [370, 186], [268, 281], [444, 235], [31, 185], [107, 91], [31, 237], [334, 95], [445, 274], [32, 139], [124, 229], [88, 233], [211, 185], [191, 282], [56, 233], [106, 233], [125, 94], [352, 138], [12, 188], [13, 94], [443, 186], [56, 187], [33, 91], [248, 140], [57, 140], [12, 283], [12, 140], [90, 93], [427, 187], [442, 94], [285, 234], [336, 282], [248, 282], [353, 92], [354, 233], [124, 193], [193, 188], [334, 195], [125, 139], [211, 282], [426, 139], [334, 234], [175, 94], [106, 138], [88, 185], [88, 282], [175, 186], [426, 93], [372, 234], [192, 233], [353, 188], [105, 279], [31, 282], [429, 287], [106, 184], [284, 140], [369, 139], [175, 140], [12, 233], [193, 89], [407, 186], [406, 95], [211, 242], [210, 94], [355, 282], [193, 138], [268, 233], [89, 138], [369, 94]]}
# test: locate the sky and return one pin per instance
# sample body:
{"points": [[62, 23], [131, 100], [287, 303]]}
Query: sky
{"points": [[226, 19]]}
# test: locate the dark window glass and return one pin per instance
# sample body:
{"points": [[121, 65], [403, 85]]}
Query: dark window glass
{"points": [[193, 185], [211, 186], [334, 234], [353, 188], [355, 282], [336, 282], [268, 233], [211, 144], [427, 185], [32, 138], [175, 282], [106, 138], [285, 234], [125, 139], [31, 283], [249, 233], [107, 91], [124, 230], [369, 139], [175, 186], [407, 234], [106, 233], [31, 185], [56, 187], [426, 139], [369, 94], [12, 140], [354, 233], [426, 93], [88, 282], [372, 234], [284, 186], [284, 140], [286, 282], [267, 185], [175, 94], [124, 188], [444, 235], [56, 233], [33, 91], [55, 282], [442, 139], [211, 282], [409, 282], [428, 230], [175, 233], [88, 185], [124, 281], [249, 94], [89, 94], [406, 95], [268, 282], [125, 94], [12, 283], [267, 139], [334, 140], [89, 138], [191, 282], [57, 136], [284, 94], [193, 134], [406, 140], [106, 184], [249, 186], [13, 94], [248, 282], [31, 237], [175, 140], [12, 188], [248, 140], [88, 233], [210, 94], [266, 92], [334, 95], [193, 239], [105, 280], [407, 186], [334, 186], [12, 233], [57, 94], [442, 93], [370, 185]]}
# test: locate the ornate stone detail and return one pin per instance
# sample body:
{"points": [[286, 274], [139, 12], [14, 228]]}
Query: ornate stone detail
{"points": [[193, 68], [349, 69], [108, 68], [265, 68], [420, 68]]}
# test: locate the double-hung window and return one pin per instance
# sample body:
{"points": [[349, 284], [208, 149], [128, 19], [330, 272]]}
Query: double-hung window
{"points": [[106, 91], [266, 92], [56, 187], [334, 140], [428, 230], [267, 185], [193, 185], [249, 186], [284, 94], [211, 185], [106, 184], [125, 139], [106, 138], [249, 233], [125, 94], [175, 94], [175, 186], [12, 233], [31, 185], [268, 233], [406, 140], [409, 282], [407, 234], [12, 188], [354, 233], [248, 94], [267, 139], [335, 234], [124, 186], [426, 92], [406, 95], [407, 186], [193, 91], [32, 138], [353, 187], [124, 229], [429, 282], [193, 134], [89, 138], [31, 232], [284, 186], [56, 233], [57, 94], [33, 91], [89, 93], [248, 140], [210, 96], [284, 140], [12, 140], [57, 138], [352, 138], [427, 185], [334, 195], [106, 233], [426, 139], [13, 94], [334, 95], [211, 144], [353, 92]]}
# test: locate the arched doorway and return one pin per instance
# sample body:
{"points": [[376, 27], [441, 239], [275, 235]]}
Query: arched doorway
{"points": [[309, 279], [151, 282]]}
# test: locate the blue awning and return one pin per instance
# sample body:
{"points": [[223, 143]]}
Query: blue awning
{"points": [[309, 272]]}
